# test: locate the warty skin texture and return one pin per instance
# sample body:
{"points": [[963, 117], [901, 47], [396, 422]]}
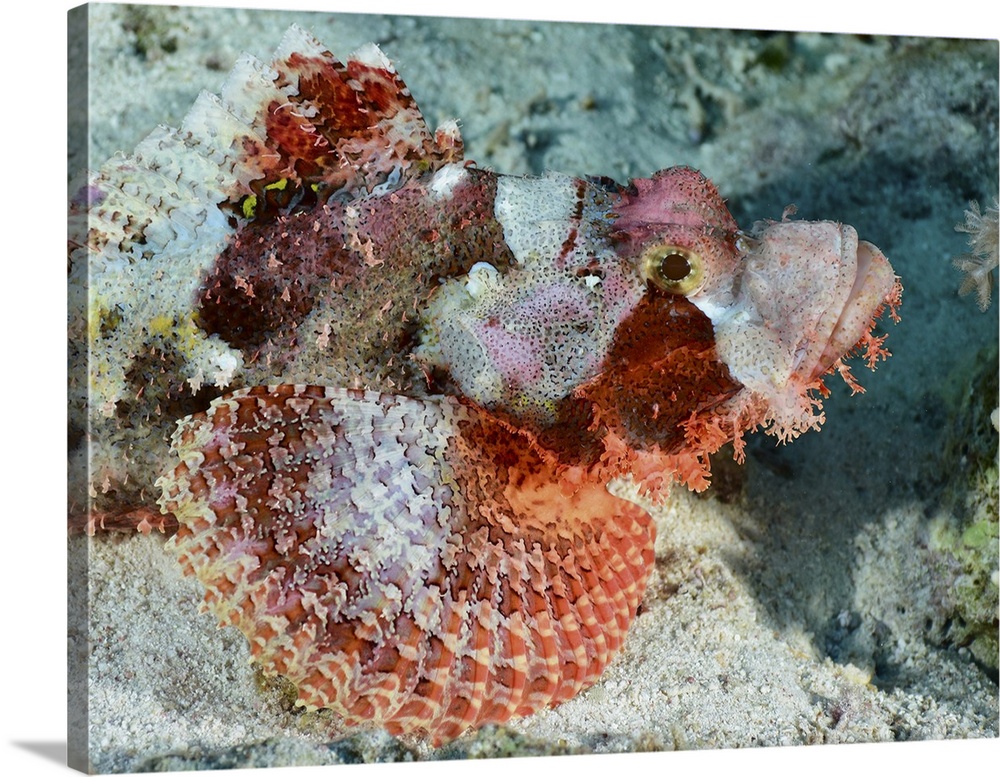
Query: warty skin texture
{"points": [[404, 506], [408, 562]]}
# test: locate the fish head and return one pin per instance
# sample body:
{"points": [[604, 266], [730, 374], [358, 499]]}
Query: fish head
{"points": [[787, 300], [644, 312]]}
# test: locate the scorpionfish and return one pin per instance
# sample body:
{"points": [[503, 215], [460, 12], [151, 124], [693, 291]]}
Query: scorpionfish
{"points": [[404, 383]]}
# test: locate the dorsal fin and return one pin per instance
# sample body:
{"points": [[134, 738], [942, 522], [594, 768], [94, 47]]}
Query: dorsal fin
{"points": [[340, 128], [306, 125], [307, 120]]}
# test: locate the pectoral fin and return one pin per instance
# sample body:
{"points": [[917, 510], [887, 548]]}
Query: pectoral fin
{"points": [[412, 563]]}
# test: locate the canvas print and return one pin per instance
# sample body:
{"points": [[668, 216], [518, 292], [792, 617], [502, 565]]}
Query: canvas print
{"points": [[444, 388]]}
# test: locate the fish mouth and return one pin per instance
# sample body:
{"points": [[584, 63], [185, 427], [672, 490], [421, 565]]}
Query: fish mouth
{"points": [[817, 290], [807, 295], [875, 286]]}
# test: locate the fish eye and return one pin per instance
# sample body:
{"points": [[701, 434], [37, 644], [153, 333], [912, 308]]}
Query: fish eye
{"points": [[673, 268]]}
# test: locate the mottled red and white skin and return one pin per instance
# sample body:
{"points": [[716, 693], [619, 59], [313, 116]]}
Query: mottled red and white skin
{"points": [[405, 507]]}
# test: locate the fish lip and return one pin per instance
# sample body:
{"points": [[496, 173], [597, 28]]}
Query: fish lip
{"points": [[806, 295], [874, 283], [858, 262]]}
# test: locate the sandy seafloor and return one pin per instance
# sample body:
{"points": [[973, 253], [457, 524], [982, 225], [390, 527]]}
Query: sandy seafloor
{"points": [[800, 602]]}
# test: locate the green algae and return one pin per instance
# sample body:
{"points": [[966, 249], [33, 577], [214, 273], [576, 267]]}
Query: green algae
{"points": [[966, 538]]}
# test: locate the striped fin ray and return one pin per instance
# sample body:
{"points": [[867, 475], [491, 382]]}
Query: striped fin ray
{"points": [[414, 564]]}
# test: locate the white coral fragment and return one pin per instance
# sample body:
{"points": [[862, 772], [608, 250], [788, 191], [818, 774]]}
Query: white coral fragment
{"points": [[983, 257]]}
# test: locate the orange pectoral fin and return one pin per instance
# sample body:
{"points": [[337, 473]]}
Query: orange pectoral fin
{"points": [[416, 564]]}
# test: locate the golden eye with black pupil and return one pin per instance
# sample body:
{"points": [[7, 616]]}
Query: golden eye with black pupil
{"points": [[673, 268]]}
